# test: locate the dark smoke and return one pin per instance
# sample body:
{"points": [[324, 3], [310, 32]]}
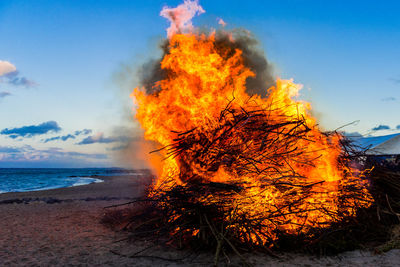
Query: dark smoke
{"points": [[254, 58], [150, 73]]}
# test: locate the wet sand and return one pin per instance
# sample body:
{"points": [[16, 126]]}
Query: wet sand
{"points": [[61, 227]]}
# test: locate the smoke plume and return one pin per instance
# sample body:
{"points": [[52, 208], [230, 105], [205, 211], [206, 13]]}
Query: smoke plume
{"points": [[181, 16]]}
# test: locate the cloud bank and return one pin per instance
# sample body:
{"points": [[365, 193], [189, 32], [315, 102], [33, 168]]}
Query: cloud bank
{"points": [[4, 94], [15, 79], [395, 80], [381, 127], [352, 134], [388, 99], [100, 138], [62, 138], [83, 132], [68, 136], [27, 156], [10, 75], [31, 130]]}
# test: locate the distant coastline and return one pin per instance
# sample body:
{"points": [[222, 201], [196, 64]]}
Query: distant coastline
{"points": [[79, 182], [38, 179]]}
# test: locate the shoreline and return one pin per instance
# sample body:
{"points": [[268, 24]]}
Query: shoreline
{"points": [[60, 227], [94, 179], [110, 185]]}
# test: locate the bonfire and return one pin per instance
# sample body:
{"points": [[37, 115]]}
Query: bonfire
{"points": [[239, 170]]}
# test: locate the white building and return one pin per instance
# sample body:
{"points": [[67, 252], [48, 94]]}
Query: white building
{"points": [[382, 151]]}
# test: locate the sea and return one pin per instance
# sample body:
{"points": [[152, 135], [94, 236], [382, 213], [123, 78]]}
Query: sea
{"points": [[26, 179]]}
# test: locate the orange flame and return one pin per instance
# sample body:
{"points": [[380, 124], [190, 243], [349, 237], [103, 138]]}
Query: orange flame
{"points": [[202, 78]]}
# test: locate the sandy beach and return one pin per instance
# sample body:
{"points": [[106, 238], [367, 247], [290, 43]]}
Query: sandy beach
{"points": [[61, 227]]}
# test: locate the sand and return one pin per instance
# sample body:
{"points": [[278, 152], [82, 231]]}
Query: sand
{"points": [[61, 227]]}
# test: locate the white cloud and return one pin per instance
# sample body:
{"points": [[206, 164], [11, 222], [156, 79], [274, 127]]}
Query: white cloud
{"points": [[6, 67]]}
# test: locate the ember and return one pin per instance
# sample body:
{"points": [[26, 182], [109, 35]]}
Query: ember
{"points": [[239, 169]]}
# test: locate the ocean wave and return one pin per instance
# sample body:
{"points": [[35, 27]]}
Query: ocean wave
{"points": [[26, 183], [35, 179], [86, 180]]}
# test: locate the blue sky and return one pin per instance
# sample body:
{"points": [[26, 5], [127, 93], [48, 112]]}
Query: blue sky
{"points": [[70, 55]]}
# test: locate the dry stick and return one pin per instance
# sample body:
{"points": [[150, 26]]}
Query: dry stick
{"points": [[153, 245], [140, 224], [130, 202], [218, 249], [390, 207], [217, 238], [226, 256], [269, 251], [237, 252], [227, 240], [145, 256], [146, 248], [120, 240]]}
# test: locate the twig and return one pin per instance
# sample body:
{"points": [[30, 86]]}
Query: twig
{"points": [[145, 256]]}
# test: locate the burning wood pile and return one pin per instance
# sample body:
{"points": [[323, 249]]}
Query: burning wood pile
{"points": [[239, 171]]}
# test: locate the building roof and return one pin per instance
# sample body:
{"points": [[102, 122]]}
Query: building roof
{"points": [[380, 145]]}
